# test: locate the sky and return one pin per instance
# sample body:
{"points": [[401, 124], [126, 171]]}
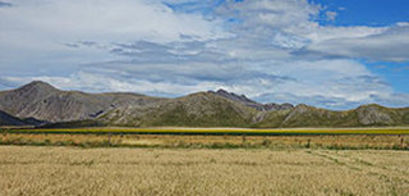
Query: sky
{"points": [[334, 54]]}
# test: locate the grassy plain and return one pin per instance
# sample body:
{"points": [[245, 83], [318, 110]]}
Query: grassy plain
{"points": [[28, 170], [198, 161], [335, 142], [220, 131]]}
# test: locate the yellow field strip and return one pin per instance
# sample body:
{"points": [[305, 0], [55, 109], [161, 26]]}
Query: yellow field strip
{"points": [[170, 130]]}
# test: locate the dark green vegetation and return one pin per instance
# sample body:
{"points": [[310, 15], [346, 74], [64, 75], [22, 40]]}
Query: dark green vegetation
{"points": [[364, 116], [65, 109], [196, 110], [8, 120]]}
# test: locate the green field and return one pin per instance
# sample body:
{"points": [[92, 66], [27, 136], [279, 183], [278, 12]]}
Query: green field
{"points": [[221, 131]]}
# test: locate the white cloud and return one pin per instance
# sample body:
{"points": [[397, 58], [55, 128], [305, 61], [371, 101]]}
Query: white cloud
{"points": [[291, 25], [105, 20], [331, 15], [272, 50], [95, 82], [389, 45], [35, 31], [276, 13], [324, 83]]}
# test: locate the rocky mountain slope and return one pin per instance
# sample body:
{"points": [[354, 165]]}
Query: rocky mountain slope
{"points": [[363, 116], [250, 103], [42, 101], [39, 100], [199, 109]]}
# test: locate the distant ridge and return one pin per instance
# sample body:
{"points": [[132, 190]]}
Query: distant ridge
{"points": [[250, 103], [42, 101], [56, 108]]}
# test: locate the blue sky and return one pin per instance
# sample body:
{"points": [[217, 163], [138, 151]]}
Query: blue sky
{"points": [[336, 54], [375, 13], [367, 12]]}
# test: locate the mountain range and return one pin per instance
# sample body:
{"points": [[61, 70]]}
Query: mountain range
{"points": [[42, 105]]}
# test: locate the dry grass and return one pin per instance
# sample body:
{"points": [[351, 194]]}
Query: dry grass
{"points": [[336, 142], [221, 131], [125, 171]]}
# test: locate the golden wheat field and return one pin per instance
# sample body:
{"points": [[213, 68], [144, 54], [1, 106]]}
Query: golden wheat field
{"points": [[27, 170]]}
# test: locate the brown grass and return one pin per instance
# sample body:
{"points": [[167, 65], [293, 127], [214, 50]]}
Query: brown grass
{"points": [[129, 171], [396, 142]]}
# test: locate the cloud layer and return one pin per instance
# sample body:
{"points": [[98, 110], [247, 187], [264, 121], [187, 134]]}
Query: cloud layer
{"points": [[271, 50]]}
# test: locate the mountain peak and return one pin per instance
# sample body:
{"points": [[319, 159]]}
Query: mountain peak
{"points": [[38, 85], [373, 105], [251, 103], [222, 91], [234, 96]]}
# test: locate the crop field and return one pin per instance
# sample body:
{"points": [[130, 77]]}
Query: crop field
{"points": [[348, 138], [330, 142], [222, 131], [28, 170], [177, 161]]}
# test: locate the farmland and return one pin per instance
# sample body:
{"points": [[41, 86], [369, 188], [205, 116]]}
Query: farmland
{"points": [[172, 137], [217, 131], [211, 161], [127, 171]]}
